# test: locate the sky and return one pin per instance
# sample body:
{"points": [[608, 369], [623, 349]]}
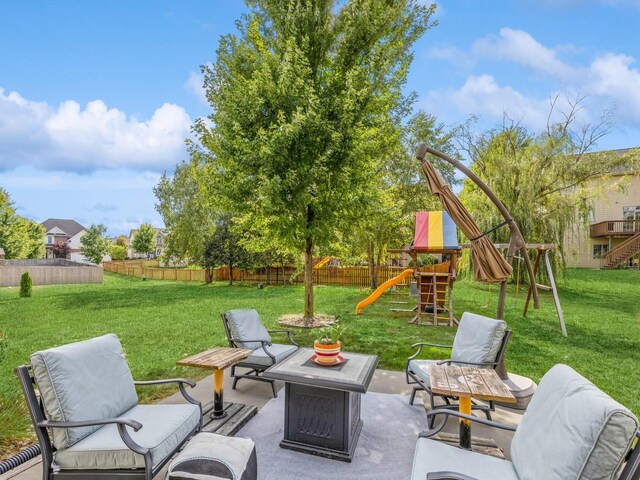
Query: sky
{"points": [[97, 98]]}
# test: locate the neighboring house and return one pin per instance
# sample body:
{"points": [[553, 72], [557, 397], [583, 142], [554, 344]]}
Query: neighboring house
{"points": [[159, 247], [67, 231], [613, 237]]}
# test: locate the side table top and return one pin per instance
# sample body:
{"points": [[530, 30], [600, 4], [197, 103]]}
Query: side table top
{"points": [[217, 358], [482, 383], [354, 375]]}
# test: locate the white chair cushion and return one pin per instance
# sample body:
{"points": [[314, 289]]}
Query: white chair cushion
{"points": [[260, 357], [164, 427], [246, 324], [478, 339], [571, 430], [87, 380], [433, 456], [209, 456], [421, 369]]}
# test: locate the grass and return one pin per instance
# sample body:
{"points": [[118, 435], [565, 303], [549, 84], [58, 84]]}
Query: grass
{"points": [[161, 322]]}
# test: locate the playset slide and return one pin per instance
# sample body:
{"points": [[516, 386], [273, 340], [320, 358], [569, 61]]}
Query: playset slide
{"points": [[380, 290], [322, 262]]}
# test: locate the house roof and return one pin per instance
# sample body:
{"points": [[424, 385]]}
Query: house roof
{"points": [[159, 230], [70, 227]]}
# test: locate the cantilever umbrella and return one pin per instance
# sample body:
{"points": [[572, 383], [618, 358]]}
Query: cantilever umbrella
{"points": [[488, 265]]}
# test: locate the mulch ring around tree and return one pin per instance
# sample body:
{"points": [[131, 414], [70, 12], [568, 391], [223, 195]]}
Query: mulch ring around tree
{"points": [[299, 321]]}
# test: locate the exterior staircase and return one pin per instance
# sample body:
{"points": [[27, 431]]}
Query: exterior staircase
{"points": [[621, 253]]}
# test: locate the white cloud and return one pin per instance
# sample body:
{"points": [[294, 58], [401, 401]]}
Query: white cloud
{"points": [[609, 83], [520, 47], [75, 139], [452, 54], [194, 86], [481, 95], [612, 78]]}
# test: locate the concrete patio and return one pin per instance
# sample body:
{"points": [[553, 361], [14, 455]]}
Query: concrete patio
{"points": [[258, 394]]}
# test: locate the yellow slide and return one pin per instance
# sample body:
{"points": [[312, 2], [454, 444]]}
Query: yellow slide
{"points": [[322, 262], [380, 290]]}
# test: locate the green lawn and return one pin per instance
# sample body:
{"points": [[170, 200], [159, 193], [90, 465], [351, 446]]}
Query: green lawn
{"points": [[161, 322]]}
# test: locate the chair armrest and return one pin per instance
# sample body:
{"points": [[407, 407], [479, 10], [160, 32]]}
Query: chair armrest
{"points": [[237, 340], [474, 364], [424, 344], [91, 423], [448, 476], [453, 413], [191, 383], [289, 333], [121, 423], [181, 383]]}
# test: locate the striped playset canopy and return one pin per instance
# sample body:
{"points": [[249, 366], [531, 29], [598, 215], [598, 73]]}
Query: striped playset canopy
{"points": [[435, 231]]}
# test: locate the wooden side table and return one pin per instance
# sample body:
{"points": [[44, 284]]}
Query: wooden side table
{"points": [[465, 383], [217, 359]]}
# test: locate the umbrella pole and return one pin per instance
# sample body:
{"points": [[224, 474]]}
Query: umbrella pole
{"points": [[517, 240]]}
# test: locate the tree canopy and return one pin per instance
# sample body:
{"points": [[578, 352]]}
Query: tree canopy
{"points": [[542, 178], [19, 237], [306, 98], [144, 240], [93, 244]]}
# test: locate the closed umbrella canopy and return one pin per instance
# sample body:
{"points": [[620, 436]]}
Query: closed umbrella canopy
{"points": [[488, 265]]}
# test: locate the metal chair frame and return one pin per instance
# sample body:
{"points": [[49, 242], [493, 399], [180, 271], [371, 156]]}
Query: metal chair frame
{"points": [[255, 369], [414, 379], [42, 424], [631, 470]]}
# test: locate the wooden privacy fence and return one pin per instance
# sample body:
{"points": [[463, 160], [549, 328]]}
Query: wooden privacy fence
{"points": [[48, 272], [347, 276]]}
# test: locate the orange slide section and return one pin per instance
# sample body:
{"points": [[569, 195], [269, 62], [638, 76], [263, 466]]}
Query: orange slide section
{"points": [[380, 290]]}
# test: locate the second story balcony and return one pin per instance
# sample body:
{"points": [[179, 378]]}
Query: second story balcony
{"points": [[615, 228]]}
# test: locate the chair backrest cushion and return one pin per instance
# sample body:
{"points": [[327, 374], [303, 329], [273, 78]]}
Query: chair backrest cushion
{"points": [[571, 430], [478, 338], [246, 324], [87, 380]]}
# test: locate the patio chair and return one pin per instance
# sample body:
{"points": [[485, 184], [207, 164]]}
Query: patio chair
{"points": [[479, 342], [87, 418], [244, 329], [570, 431]]}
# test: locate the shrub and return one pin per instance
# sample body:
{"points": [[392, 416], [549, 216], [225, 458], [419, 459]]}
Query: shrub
{"points": [[25, 285]]}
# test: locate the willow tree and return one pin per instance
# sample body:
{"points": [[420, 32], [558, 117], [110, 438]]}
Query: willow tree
{"points": [[542, 178], [302, 97]]}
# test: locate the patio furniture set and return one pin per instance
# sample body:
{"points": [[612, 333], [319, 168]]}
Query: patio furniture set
{"points": [[83, 403]]}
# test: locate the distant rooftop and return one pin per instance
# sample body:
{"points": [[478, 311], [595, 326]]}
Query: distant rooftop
{"points": [[70, 227]]}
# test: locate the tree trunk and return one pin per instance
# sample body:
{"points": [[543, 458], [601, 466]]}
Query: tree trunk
{"points": [[373, 277], [308, 267], [308, 279], [230, 273], [208, 275]]}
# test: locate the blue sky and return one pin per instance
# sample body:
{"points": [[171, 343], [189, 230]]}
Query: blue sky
{"points": [[97, 97]]}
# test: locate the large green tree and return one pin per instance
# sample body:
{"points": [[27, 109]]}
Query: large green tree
{"points": [[144, 240], [389, 217], [304, 98], [189, 209], [94, 245], [19, 237], [225, 248]]}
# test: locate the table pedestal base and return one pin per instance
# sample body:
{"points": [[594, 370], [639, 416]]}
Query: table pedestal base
{"points": [[321, 421], [465, 425], [218, 389]]}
